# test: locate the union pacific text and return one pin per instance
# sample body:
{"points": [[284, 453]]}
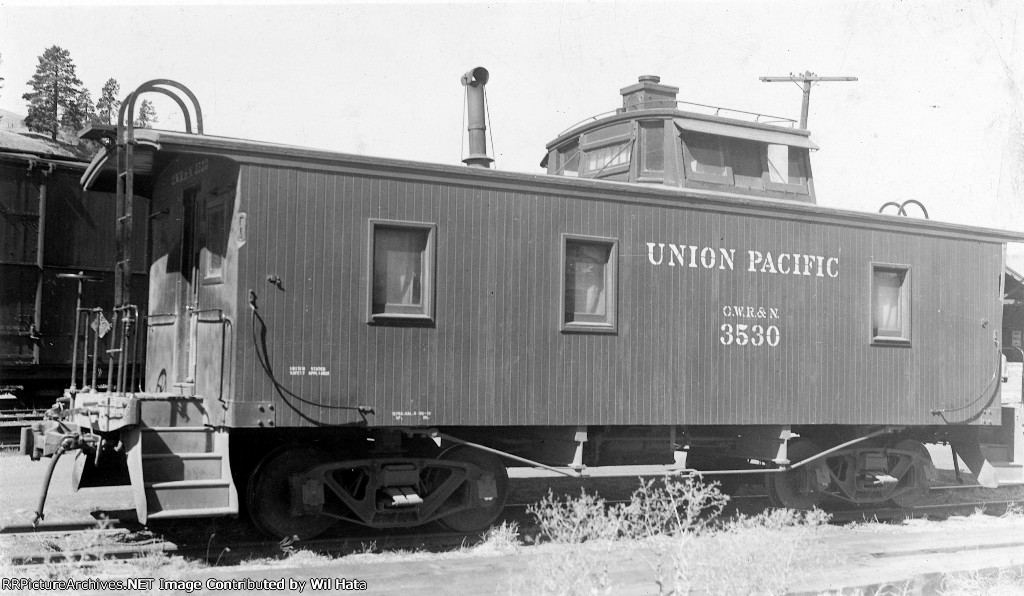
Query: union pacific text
{"points": [[706, 257]]}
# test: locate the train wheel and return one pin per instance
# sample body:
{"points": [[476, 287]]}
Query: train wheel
{"points": [[478, 518], [913, 482], [800, 488], [268, 496]]}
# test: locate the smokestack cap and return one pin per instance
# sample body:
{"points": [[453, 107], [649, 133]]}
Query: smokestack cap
{"points": [[648, 93], [477, 76]]}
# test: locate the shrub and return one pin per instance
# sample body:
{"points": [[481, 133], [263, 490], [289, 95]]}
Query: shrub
{"points": [[673, 506]]}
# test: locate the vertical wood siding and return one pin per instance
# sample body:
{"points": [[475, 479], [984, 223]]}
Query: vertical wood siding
{"points": [[78, 235], [496, 355]]}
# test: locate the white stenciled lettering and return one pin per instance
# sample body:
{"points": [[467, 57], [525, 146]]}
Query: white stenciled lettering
{"points": [[781, 269], [749, 335], [808, 263], [678, 254], [758, 261], [828, 267], [757, 335], [650, 253], [728, 257], [707, 258], [755, 258], [736, 311]]}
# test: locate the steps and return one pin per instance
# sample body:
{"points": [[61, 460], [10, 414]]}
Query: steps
{"points": [[1009, 474], [180, 472]]}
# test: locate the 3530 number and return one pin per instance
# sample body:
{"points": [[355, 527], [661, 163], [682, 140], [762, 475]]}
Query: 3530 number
{"points": [[753, 335]]}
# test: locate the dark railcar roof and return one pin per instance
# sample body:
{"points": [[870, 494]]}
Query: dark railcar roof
{"points": [[601, 190]]}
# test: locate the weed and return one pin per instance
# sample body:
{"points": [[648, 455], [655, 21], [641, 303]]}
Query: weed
{"points": [[672, 507], [574, 520], [367, 548], [676, 529], [993, 583], [500, 539], [758, 554], [1013, 510]]}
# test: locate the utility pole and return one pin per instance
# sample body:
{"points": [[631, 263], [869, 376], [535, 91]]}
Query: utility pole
{"points": [[807, 79]]}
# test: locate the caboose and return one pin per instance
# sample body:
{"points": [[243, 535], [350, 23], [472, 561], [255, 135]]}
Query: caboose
{"points": [[334, 336]]}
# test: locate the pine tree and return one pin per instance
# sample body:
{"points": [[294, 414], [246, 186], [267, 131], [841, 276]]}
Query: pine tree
{"points": [[56, 90], [108, 105], [79, 113], [147, 115]]}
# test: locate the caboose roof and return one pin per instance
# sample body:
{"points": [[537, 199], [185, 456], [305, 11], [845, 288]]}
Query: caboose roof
{"points": [[170, 143]]}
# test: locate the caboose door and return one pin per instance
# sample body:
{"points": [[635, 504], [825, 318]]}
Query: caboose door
{"points": [[190, 302], [209, 295]]}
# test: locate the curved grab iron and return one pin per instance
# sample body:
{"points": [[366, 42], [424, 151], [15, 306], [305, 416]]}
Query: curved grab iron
{"points": [[158, 86], [902, 207]]}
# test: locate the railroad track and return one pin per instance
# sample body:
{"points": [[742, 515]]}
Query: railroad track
{"points": [[225, 546], [224, 554]]}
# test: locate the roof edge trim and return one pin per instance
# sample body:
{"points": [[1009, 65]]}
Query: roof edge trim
{"points": [[742, 132]]}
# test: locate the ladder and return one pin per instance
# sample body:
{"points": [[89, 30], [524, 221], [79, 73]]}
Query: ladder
{"points": [[126, 346]]}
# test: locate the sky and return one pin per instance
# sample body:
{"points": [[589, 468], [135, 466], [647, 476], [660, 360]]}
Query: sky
{"points": [[937, 114]]}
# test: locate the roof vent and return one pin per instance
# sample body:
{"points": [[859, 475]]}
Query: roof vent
{"points": [[648, 93], [476, 97]]}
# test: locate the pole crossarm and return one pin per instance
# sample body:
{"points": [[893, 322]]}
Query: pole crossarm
{"points": [[802, 78], [806, 79]]}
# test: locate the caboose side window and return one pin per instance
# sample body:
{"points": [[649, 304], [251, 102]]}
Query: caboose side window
{"points": [[607, 151], [787, 168], [652, 150], [705, 158], [601, 159], [401, 270], [745, 157], [890, 304], [589, 274], [214, 242], [569, 160]]}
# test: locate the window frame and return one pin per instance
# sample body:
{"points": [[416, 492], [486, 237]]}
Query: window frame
{"points": [[611, 281], [644, 134], [800, 188], [725, 179], [731, 150], [617, 146], [565, 154], [903, 339], [206, 256], [619, 138], [423, 313]]}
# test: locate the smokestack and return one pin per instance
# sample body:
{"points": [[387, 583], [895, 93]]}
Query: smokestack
{"points": [[648, 93], [474, 82]]}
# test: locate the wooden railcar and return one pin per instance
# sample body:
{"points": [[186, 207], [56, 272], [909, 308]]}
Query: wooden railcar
{"points": [[52, 234], [1013, 317], [362, 338]]}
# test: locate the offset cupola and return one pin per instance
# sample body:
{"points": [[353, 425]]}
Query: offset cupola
{"points": [[656, 139]]}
